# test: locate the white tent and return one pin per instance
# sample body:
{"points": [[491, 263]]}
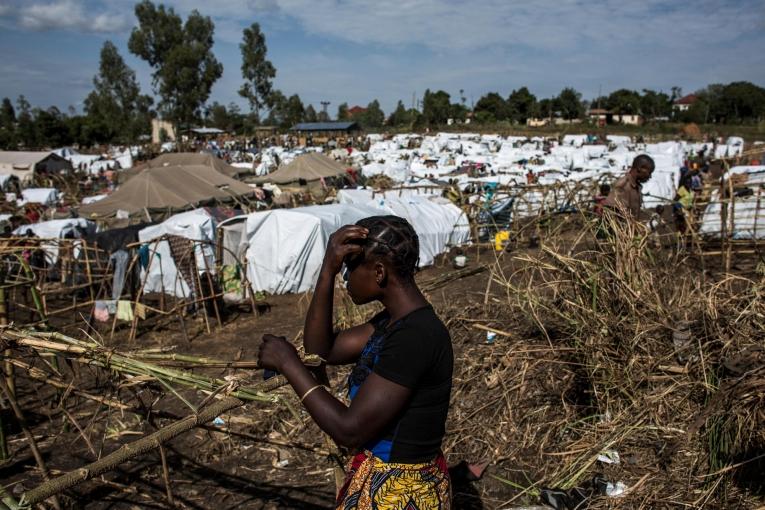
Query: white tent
{"points": [[44, 196], [749, 216], [56, 229], [196, 225], [439, 223], [284, 248]]}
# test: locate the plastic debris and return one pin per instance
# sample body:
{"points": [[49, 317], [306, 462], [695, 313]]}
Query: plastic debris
{"points": [[609, 457], [490, 336], [615, 490], [219, 421]]}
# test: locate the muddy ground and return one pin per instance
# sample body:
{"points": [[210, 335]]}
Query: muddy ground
{"points": [[265, 459]]}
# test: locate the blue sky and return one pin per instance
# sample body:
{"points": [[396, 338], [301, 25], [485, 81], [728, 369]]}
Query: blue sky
{"points": [[356, 51]]}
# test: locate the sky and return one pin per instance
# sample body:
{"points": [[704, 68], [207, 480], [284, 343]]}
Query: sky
{"points": [[355, 51]]}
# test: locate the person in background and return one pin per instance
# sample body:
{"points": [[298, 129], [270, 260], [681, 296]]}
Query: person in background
{"points": [[626, 194], [600, 198]]}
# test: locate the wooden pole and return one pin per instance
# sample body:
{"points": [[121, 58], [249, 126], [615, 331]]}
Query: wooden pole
{"points": [[129, 451]]}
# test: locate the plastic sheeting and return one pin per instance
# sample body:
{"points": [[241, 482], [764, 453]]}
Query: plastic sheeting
{"points": [[56, 229], [748, 218], [285, 247], [45, 196], [196, 225]]}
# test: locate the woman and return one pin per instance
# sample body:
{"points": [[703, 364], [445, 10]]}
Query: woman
{"points": [[400, 384]]}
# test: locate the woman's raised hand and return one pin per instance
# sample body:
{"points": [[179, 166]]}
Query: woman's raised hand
{"points": [[341, 244]]}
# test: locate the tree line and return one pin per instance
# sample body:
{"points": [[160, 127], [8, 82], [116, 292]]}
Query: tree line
{"points": [[184, 70]]}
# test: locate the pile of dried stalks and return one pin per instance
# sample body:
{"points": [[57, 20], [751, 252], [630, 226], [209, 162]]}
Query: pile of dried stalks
{"points": [[616, 346]]}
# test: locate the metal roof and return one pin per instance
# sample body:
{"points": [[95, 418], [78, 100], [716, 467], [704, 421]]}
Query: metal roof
{"points": [[324, 126]]}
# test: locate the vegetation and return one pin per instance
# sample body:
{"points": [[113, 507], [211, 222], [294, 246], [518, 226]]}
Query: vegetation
{"points": [[257, 71], [185, 68]]}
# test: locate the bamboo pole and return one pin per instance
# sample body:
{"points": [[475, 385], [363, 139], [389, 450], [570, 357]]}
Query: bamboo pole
{"points": [[129, 451]]}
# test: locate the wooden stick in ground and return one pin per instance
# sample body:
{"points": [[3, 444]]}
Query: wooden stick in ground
{"points": [[166, 475], [30, 438], [129, 451]]}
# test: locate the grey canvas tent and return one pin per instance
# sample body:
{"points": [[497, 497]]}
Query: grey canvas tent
{"points": [[169, 189], [183, 159], [308, 167]]}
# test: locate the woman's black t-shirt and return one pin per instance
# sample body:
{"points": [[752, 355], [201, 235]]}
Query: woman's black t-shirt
{"points": [[416, 352]]}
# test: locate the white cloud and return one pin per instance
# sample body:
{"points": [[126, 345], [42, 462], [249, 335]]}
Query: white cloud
{"points": [[69, 15]]}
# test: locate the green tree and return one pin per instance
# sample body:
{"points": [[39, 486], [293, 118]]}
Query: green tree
{"points": [[7, 125], [435, 107], [458, 111], [655, 104], [742, 102], [228, 118], [310, 114], [521, 104], [25, 129], [257, 70], [400, 116], [342, 111], [278, 108], [569, 103], [492, 104], [322, 116], [544, 109], [374, 116], [50, 128], [295, 110], [624, 102], [185, 68], [116, 109]]}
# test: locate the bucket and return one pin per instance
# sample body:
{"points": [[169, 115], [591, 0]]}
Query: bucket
{"points": [[460, 261]]}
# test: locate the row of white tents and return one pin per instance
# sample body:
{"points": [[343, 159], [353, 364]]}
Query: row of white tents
{"points": [[282, 249]]}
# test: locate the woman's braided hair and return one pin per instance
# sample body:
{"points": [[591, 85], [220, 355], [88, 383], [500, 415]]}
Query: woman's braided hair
{"points": [[394, 238]]}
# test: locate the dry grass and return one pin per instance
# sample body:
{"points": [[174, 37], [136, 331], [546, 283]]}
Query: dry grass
{"points": [[591, 365]]}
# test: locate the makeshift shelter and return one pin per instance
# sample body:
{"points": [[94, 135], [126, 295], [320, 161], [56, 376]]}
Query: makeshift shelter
{"points": [[745, 220], [44, 196], [9, 183], [169, 189], [439, 223], [160, 267], [49, 231], [307, 167], [25, 165]]}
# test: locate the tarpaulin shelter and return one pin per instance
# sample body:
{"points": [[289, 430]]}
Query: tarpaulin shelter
{"points": [[164, 276], [75, 228], [748, 211], [172, 188], [308, 167], [284, 248], [25, 165]]}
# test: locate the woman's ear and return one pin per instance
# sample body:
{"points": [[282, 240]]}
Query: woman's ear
{"points": [[381, 275]]}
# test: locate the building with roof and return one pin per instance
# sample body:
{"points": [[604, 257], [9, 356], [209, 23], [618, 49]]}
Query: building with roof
{"points": [[162, 131], [343, 128], [684, 103], [356, 110]]}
